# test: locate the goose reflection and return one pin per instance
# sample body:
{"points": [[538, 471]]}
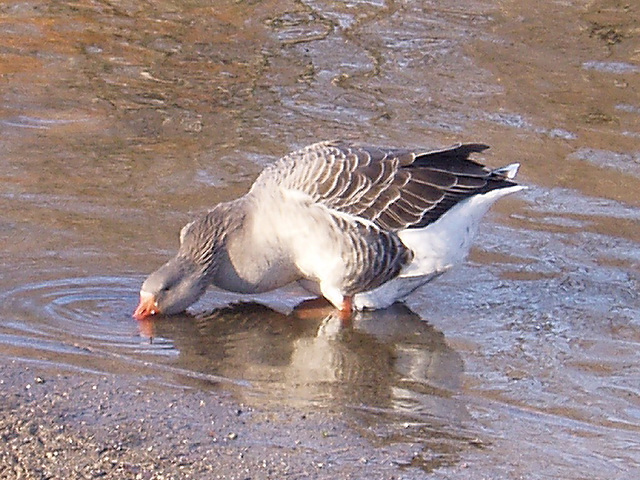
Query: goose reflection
{"points": [[386, 359]]}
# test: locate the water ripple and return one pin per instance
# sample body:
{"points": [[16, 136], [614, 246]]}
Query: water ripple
{"points": [[94, 310], [85, 323]]}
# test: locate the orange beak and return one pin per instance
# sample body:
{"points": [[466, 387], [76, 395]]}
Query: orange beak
{"points": [[147, 308]]}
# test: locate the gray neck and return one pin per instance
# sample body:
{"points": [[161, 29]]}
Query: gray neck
{"points": [[207, 236]]}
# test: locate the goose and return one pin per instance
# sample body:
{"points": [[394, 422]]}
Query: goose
{"points": [[359, 225]]}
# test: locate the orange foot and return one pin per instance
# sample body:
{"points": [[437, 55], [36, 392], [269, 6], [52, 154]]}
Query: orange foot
{"points": [[346, 311], [320, 308], [314, 308]]}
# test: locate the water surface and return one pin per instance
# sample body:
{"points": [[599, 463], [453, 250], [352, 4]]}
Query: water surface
{"points": [[121, 120]]}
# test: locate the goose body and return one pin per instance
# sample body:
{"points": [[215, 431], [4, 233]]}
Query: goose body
{"points": [[362, 226]]}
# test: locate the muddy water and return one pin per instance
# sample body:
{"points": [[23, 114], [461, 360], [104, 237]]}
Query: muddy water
{"points": [[121, 119]]}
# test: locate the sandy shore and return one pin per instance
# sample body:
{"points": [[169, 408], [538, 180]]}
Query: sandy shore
{"points": [[80, 425]]}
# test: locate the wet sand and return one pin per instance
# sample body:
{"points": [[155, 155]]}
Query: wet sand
{"points": [[75, 425]]}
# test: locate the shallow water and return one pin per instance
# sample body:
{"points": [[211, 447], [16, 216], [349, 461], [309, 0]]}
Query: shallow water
{"points": [[120, 120]]}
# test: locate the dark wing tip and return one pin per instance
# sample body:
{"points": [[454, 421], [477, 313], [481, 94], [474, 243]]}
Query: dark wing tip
{"points": [[460, 150], [469, 148]]}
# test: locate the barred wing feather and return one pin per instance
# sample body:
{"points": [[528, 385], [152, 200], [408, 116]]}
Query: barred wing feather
{"points": [[394, 188]]}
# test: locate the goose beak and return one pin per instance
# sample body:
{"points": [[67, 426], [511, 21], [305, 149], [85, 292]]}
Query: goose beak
{"points": [[147, 307]]}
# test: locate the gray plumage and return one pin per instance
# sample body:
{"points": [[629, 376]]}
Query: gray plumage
{"points": [[334, 214], [395, 188]]}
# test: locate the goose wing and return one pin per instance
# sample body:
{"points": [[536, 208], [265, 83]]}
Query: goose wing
{"points": [[393, 188]]}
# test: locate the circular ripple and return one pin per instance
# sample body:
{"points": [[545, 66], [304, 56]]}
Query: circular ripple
{"points": [[88, 311]]}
